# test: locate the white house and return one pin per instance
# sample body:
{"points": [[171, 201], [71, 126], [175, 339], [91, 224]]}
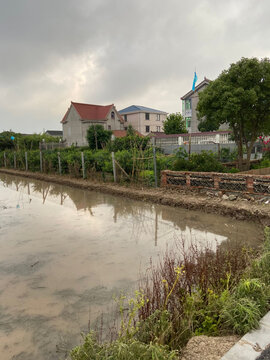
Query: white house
{"points": [[80, 116]]}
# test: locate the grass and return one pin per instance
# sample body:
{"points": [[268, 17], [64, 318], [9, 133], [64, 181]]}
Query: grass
{"points": [[201, 292]]}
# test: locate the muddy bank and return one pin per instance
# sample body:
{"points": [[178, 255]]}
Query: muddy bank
{"points": [[240, 209]]}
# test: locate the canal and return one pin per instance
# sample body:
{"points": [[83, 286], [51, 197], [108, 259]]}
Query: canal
{"points": [[65, 253]]}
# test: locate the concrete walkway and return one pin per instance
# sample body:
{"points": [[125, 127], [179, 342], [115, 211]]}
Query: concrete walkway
{"points": [[251, 345]]}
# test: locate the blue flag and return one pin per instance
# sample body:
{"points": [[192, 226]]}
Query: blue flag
{"points": [[194, 81]]}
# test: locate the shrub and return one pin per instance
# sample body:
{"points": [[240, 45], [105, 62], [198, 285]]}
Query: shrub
{"points": [[147, 176], [206, 161], [121, 350], [130, 142], [98, 137], [241, 315]]}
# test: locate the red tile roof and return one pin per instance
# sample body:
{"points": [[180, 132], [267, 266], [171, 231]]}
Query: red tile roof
{"points": [[123, 133], [92, 112]]}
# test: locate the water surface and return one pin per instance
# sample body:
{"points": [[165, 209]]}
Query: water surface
{"points": [[65, 253]]}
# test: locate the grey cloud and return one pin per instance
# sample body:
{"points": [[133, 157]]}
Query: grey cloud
{"points": [[121, 51]]}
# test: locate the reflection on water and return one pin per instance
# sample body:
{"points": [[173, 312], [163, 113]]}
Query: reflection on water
{"points": [[65, 252]]}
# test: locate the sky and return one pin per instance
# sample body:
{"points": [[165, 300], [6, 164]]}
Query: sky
{"points": [[126, 52]]}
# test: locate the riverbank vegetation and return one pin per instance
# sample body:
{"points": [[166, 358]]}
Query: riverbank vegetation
{"points": [[134, 165], [134, 157], [202, 292]]}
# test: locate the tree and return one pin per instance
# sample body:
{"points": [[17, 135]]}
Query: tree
{"points": [[98, 137], [5, 140], [174, 124], [205, 125], [130, 131], [239, 97]]}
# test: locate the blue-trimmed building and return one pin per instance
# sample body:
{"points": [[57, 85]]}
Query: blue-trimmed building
{"points": [[189, 105]]}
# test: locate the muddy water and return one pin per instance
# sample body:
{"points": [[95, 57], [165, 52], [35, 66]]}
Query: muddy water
{"points": [[65, 252]]}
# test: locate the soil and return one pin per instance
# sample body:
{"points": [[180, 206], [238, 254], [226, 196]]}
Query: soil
{"points": [[208, 348], [241, 209]]}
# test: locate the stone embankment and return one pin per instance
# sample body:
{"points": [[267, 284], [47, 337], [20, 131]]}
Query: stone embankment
{"points": [[238, 206]]}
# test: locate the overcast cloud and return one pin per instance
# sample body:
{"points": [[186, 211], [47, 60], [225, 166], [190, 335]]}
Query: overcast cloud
{"points": [[124, 52]]}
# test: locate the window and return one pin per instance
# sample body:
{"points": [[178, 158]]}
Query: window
{"points": [[147, 116], [158, 128], [125, 118], [188, 122], [112, 115], [125, 128], [147, 128], [158, 117], [109, 127], [188, 104]]}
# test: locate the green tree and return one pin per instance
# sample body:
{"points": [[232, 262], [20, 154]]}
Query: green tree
{"points": [[130, 131], [205, 125], [174, 124], [98, 137], [239, 97], [5, 140]]}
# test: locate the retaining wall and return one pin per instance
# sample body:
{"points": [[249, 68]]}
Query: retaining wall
{"points": [[256, 184]]}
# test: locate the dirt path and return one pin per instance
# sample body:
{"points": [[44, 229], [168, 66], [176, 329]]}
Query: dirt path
{"points": [[241, 209]]}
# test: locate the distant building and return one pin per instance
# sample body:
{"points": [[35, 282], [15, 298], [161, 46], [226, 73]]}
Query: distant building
{"points": [[189, 105], [55, 133], [143, 119], [79, 117]]}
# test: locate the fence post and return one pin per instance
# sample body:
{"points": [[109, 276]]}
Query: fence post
{"points": [[14, 160], [189, 147], [250, 184], [5, 160], [83, 165], [40, 160], [114, 169], [154, 159], [216, 181], [59, 163], [164, 178], [26, 161]]}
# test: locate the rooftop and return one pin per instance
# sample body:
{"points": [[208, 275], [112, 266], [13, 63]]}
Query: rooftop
{"points": [[90, 111], [198, 87], [138, 108], [55, 132]]}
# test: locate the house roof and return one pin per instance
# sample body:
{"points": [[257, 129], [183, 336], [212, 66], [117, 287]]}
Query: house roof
{"points": [[198, 87], [123, 133], [138, 108], [90, 111], [55, 132]]}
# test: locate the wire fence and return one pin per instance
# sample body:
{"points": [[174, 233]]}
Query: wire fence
{"points": [[123, 166], [259, 184]]}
